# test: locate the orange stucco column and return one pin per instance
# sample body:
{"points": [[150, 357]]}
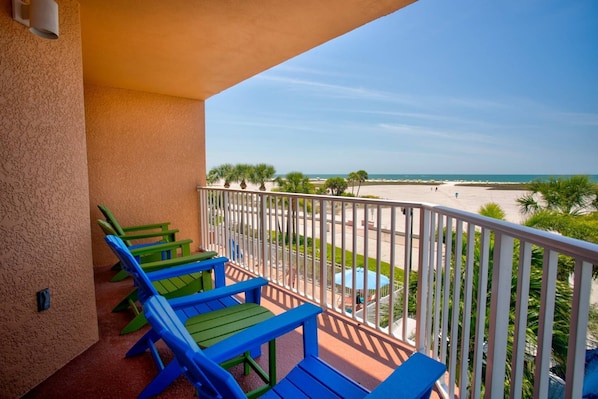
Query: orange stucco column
{"points": [[45, 239], [146, 155]]}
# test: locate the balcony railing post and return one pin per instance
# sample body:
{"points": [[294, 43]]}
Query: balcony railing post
{"points": [[446, 289], [521, 312], [457, 289], [480, 327], [549, 275], [366, 253], [378, 264], [313, 263], [203, 218], [264, 239], [226, 223], [578, 334], [467, 310], [421, 341], [407, 262], [437, 283], [323, 255], [502, 269]]}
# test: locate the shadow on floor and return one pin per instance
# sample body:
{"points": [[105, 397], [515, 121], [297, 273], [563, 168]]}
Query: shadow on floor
{"points": [[103, 372]]}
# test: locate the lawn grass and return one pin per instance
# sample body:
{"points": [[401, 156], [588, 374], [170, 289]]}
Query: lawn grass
{"points": [[338, 258]]}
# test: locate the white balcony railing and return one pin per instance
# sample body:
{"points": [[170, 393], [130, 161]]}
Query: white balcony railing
{"points": [[482, 295]]}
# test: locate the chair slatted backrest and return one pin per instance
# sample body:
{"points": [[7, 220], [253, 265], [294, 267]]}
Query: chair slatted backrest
{"points": [[111, 219], [130, 264], [109, 230], [209, 378]]}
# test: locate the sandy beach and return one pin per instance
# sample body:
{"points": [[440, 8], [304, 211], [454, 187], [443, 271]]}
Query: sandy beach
{"points": [[469, 198]]}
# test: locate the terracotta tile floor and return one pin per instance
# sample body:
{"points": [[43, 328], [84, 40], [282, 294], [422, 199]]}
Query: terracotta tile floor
{"points": [[103, 372]]}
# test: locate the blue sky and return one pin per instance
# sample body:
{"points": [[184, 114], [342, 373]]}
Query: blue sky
{"points": [[463, 86]]}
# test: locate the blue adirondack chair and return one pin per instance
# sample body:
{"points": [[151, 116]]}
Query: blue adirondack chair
{"points": [[172, 287], [311, 378], [149, 233], [171, 254], [140, 249], [235, 252], [210, 316]]}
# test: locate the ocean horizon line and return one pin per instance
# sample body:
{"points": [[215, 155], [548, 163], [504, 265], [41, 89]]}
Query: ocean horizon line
{"points": [[473, 178]]}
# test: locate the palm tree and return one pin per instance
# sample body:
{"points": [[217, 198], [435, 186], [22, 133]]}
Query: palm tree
{"points": [[294, 182], [351, 180], [242, 173], [575, 195], [492, 210], [261, 173], [567, 206], [362, 176], [336, 185], [580, 227], [225, 172], [212, 177]]}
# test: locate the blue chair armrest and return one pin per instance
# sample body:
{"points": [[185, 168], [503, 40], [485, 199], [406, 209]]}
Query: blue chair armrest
{"points": [[414, 378], [216, 264], [143, 245], [184, 260], [304, 315], [252, 289]]}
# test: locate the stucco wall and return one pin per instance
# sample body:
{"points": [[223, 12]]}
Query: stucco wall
{"points": [[45, 238], [146, 155]]}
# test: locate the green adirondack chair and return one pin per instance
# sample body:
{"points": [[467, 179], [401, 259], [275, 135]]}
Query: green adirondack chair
{"points": [[157, 232], [139, 229]]}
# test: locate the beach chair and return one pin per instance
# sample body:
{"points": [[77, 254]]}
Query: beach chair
{"points": [[178, 285], [159, 232], [348, 302], [209, 316], [235, 253], [311, 378], [181, 248], [178, 253], [139, 229]]}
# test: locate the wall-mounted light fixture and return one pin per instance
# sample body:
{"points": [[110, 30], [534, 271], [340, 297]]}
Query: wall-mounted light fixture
{"points": [[41, 16]]}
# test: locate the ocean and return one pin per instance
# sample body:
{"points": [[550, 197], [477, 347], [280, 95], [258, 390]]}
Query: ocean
{"points": [[450, 177]]}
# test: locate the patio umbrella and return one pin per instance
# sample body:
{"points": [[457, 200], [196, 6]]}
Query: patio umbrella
{"points": [[360, 279]]}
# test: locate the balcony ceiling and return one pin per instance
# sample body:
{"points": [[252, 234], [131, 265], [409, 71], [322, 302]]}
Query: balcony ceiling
{"points": [[198, 48]]}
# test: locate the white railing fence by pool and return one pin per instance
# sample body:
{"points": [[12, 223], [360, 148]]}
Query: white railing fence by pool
{"points": [[474, 292]]}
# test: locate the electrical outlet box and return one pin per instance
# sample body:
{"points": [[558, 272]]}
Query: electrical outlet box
{"points": [[43, 300]]}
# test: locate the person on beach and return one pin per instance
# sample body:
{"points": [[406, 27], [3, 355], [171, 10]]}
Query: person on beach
{"points": [[358, 300]]}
